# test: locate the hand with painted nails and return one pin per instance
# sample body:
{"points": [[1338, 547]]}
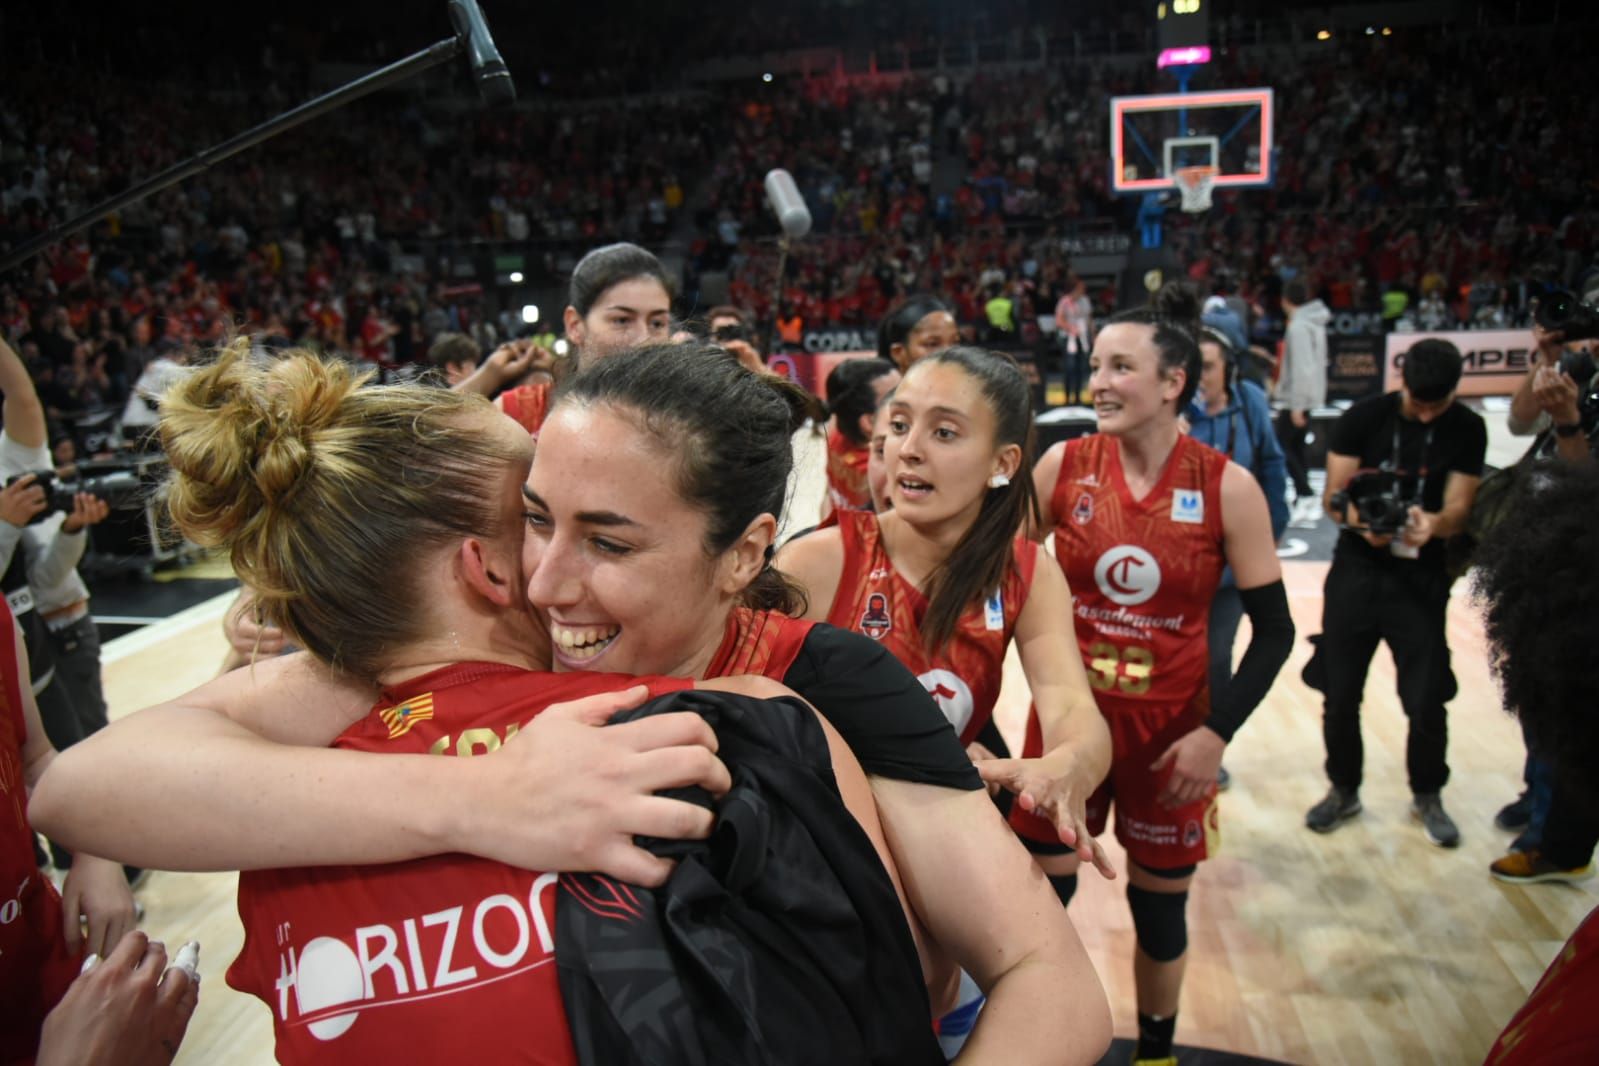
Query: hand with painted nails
{"points": [[128, 1009]]}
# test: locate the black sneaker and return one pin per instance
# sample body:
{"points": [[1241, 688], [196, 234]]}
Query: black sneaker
{"points": [[1428, 809], [1337, 807], [1516, 816]]}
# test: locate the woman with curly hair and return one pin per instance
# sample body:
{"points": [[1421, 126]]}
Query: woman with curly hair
{"points": [[1535, 575]]}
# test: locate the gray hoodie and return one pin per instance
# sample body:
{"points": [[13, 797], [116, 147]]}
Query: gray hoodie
{"points": [[1302, 386]]}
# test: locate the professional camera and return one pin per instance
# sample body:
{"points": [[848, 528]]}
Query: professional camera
{"points": [[118, 488], [1383, 507], [1563, 310]]}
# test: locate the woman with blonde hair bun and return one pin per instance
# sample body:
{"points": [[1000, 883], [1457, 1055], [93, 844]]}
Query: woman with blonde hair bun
{"points": [[317, 487]]}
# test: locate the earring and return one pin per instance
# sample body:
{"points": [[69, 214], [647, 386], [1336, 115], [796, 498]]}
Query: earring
{"points": [[998, 481]]}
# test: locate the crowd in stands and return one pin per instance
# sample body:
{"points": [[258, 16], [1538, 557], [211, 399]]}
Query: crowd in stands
{"points": [[1438, 178], [1397, 190]]}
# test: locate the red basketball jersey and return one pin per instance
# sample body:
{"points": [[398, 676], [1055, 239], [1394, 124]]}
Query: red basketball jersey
{"points": [[846, 474], [964, 676], [35, 965], [1142, 572], [447, 959]]}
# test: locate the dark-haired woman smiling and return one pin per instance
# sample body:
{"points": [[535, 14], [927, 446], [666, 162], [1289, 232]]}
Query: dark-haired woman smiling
{"points": [[651, 506], [1144, 519]]}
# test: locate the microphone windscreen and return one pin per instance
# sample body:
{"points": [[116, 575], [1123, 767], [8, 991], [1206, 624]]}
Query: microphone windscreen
{"points": [[787, 203], [488, 69]]}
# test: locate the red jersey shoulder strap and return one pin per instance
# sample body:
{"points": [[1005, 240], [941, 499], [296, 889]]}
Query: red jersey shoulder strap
{"points": [[528, 404], [1082, 453], [759, 642], [862, 544], [1209, 465]]}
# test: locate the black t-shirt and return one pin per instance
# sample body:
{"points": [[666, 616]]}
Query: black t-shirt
{"points": [[880, 709], [1423, 454]]}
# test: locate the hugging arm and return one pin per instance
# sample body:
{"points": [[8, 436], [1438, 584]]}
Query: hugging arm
{"points": [[243, 780], [1000, 919]]}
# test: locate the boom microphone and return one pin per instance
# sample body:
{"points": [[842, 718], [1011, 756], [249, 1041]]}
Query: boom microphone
{"points": [[787, 203], [494, 83]]}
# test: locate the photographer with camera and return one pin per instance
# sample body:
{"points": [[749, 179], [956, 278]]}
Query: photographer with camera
{"points": [[1402, 470], [730, 329], [1557, 397]]}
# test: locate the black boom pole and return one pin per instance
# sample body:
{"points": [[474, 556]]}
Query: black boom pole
{"points": [[471, 39]]}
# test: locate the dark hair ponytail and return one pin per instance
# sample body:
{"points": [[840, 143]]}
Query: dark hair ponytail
{"points": [[1174, 315], [983, 557], [727, 429], [851, 393]]}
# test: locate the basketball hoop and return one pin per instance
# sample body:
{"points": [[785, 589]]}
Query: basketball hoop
{"points": [[1195, 183]]}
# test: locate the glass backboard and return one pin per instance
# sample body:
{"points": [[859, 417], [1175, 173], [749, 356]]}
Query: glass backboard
{"points": [[1152, 137]]}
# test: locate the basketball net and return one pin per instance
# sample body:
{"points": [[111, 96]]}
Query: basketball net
{"points": [[1195, 183]]}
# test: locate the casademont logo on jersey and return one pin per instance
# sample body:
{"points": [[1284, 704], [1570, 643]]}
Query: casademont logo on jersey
{"points": [[952, 695], [1128, 575], [329, 982]]}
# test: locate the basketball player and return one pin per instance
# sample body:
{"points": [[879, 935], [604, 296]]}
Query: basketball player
{"points": [[1144, 519], [264, 461], [915, 329], [945, 581], [620, 296], [855, 389], [651, 506]]}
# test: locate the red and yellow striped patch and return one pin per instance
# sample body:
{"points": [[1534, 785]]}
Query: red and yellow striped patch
{"points": [[400, 719]]}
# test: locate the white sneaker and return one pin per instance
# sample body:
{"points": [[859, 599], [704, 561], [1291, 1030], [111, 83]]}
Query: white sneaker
{"points": [[1306, 513]]}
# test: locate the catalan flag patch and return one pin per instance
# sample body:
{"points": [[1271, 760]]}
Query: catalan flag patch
{"points": [[400, 719]]}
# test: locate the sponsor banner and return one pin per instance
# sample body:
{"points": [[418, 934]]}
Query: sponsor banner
{"points": [[1354, 365], [839, 339], [1496, 360], [810, 369]]}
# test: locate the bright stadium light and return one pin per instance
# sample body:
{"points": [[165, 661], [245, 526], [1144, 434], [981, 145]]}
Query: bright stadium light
{"points": [[561, 347], [767, 77], [530, 313], [1324, 35], [516, 277], [1387, 31]]}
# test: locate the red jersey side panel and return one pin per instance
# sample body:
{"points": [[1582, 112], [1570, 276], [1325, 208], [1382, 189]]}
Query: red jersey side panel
{"points": [[1142, 573], [35, 964], [447, 959], [846, 473], [964, 677]]}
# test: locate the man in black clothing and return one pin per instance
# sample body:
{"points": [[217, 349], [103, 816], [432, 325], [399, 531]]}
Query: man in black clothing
{"points": [[1385, 584]]}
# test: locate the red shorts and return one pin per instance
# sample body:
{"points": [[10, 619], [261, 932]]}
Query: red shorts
{"points": [[1154, 836]]}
